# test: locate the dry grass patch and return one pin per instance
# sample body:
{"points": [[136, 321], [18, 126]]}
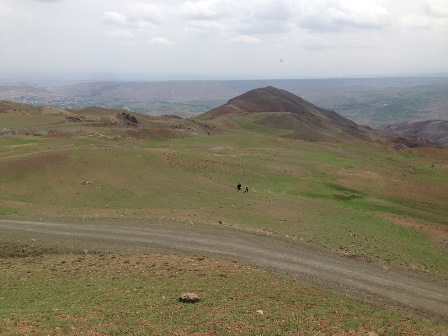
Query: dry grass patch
{"points": [[437, 232]]}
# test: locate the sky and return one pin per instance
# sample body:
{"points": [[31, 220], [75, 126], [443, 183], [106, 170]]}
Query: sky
{"points": [[223, 39]]}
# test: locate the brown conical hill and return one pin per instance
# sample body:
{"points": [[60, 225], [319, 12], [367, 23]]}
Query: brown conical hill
{"points": [[282, 113], [271, 99], [280, 109]]}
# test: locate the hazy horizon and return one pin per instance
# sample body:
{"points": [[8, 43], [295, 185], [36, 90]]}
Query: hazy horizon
{"points": [[45, 78]]}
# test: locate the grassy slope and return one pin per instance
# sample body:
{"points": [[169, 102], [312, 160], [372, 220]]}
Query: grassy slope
{"points": [[137, 295], [331, 194], [346, 197]]}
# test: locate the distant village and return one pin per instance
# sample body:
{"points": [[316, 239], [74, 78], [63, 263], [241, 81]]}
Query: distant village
{"points": [[62, 102]]}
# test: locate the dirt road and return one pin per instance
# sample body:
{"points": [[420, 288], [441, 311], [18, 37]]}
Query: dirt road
{"points": [[359, 279]]}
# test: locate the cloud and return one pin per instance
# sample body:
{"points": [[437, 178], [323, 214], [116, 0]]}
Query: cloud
{"points": [[244, 39], [248, 22], [204, 27], [274, 10], [199, 10], [161, 41], [436, 8], [137, 17], [14, 15], [260, 27], [123, 35], [242, 18], [427, 15], [115, 18], [153, 13], [339, 15], [221, 31], [281, 16], [7, 12]]}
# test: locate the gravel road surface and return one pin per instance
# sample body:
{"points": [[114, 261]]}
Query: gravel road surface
{"points": [[365, 281]]}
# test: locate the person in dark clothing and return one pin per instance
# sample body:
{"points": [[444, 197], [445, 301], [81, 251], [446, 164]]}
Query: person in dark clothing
{"points": [[238, 186], [247, 189]]}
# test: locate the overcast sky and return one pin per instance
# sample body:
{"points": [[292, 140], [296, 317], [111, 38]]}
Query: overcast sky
{"points": [[223, 39]]}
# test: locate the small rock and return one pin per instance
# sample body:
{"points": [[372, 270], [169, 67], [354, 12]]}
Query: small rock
{"points": [[260, 312], [189, 298]]}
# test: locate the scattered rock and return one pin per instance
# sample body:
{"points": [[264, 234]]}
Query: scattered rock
{"points": [[189, 298], [91, 183], [73, 119], [128, 118], [40, 133]]}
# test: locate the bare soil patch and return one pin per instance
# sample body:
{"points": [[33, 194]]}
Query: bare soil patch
{"points": [[33, 163], [437, 232]]}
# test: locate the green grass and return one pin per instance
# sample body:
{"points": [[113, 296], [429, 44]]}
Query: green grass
{"points": [[318, 192], [138, 295], [4, 211], [339, 196], [18, 142], [29, 121]]}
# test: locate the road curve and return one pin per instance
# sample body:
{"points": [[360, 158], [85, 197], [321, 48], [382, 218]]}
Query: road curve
{"points": [[348, 276]]}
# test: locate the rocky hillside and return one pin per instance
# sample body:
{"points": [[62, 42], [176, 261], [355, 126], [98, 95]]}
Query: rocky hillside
{"points": [[436, 130]]}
